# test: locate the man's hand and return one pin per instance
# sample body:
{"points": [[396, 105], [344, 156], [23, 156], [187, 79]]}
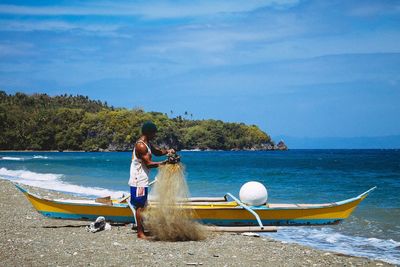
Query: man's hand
{"points": [[171, 151]]}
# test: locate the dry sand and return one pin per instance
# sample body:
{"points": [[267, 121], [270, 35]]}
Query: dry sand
{"points": [[29, 239]]}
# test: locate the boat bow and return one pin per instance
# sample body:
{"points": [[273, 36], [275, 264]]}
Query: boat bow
{"points": [[212, 211]]}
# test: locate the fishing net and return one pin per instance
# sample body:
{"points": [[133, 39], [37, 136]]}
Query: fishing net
{"points": [[165, 217]]}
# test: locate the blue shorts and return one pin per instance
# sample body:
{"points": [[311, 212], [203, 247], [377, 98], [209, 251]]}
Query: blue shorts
{"points": [[139, 196]]}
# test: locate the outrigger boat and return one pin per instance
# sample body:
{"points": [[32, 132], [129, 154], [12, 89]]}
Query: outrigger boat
{"points": [[210, 211]]}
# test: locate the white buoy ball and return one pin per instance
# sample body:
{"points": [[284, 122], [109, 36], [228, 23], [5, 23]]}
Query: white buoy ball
{"points": [[253, 194]]}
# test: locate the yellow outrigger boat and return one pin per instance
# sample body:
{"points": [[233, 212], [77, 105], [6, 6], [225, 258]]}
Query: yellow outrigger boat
{"points": [[214, 211]]}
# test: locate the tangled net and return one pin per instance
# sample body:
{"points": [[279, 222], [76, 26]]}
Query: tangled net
{"points": [[166, 216]]}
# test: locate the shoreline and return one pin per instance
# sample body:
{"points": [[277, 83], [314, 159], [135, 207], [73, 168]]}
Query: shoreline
{"points": [[190, 150], [28, 238], [108, 151]]}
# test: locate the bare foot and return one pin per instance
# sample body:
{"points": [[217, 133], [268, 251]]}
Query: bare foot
{"points": [[142, 236]]}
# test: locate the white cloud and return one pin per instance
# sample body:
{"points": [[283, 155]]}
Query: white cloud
{"points": [[150, 10], [220, 39], [77, 28], [16, 49], [375, 9], [46, 25], [53, 25]]}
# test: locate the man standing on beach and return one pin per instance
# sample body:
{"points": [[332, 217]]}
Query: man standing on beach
{"points": [[140, 170]]}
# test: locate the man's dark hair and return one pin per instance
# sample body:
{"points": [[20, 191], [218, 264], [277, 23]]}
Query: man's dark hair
{"points": [[149, 127]]}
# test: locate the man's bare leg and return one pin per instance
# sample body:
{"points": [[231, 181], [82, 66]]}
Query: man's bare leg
{"points": [[140, 230]]}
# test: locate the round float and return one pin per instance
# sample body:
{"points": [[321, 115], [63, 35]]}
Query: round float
{"points": [[253, 193]]}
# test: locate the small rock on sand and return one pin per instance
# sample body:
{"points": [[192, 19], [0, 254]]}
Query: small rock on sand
{"points": [[54, 239]]}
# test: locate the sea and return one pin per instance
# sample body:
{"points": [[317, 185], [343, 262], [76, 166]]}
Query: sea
{"points": [[294, 176]]}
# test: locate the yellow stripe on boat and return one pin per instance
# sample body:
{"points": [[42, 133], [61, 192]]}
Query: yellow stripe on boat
{"points": [[226, 213]]}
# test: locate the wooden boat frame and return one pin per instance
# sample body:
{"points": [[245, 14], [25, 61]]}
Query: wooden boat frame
{"points": [[212, 211]]}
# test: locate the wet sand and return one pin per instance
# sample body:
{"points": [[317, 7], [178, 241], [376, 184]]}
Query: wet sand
{"points": [[29, 239]]}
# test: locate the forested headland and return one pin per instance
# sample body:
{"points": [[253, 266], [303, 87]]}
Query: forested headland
{"points": [[66, 122]]}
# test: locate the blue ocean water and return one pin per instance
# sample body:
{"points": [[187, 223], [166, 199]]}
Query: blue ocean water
{"points": [[295, 176]]}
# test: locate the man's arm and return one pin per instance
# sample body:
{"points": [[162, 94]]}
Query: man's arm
{"points": [[160, 152], [143, 154]]}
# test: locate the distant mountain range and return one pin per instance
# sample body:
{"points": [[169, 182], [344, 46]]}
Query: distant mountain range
{"points": [[377, 142]]}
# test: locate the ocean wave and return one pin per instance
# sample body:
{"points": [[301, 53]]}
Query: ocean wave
{"points": [[327, 238], [54, 181], [24, 175], [11, 158], [25, 158], [40, 157]]}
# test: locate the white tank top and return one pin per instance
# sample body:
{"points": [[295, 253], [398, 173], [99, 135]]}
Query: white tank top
{"points": [[139, 173]]}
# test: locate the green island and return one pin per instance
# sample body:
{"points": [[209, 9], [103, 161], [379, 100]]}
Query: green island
{"points": [[67, 122]]}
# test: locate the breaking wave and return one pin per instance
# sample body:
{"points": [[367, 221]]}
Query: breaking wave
{"points": [[24, 158], [327, 238], [40, 157], [11, 158], [54, 181]]}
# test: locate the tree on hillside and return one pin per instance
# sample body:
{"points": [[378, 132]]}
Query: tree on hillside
{"points": [[68, 122]]}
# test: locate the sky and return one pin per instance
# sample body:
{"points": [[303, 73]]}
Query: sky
{"points": [[295, 68]]}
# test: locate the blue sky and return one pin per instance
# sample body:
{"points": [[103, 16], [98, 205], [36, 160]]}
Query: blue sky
{"points": [[295, 68]]}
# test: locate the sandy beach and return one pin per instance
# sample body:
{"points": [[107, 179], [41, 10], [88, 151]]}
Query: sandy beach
{"points": [[29, 239]]}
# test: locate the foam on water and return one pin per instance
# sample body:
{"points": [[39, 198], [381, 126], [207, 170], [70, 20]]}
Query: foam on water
{"points": [[24, 158], [40, 157], [294, 176], [11, 158], [54, 181], [327, 238]]}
